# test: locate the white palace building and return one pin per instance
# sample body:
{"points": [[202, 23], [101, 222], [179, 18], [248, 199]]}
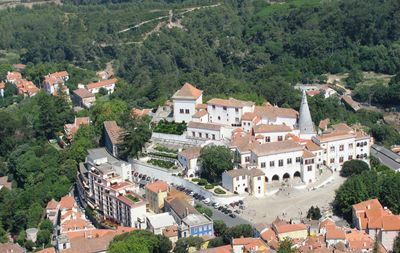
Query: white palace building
{"points": [[280, 142]]}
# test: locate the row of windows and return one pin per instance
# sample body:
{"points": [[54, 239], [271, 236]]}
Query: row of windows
{"points": [[184, 111], [225, 108], [341, 147], [280, 162], [204, 135]]}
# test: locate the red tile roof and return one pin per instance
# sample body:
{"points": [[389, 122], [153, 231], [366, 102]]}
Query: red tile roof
{"points": [[188, 91], [323, 124], [67, 202], [265, 128], [113, 131], [335, 233], [285, 228], [83, 93], [231, 102], [200, 114], [47, 250], [52, 204], [157, 186], [272, 112], [191, 153], [102, 83]]}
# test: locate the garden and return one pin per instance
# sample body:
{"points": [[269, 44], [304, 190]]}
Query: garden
{"points": [[166, 127], [162, 163]]}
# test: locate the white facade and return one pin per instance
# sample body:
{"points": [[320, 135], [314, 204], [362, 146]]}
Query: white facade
{"points": [[245, 181], [228, 112], [184, 109]]}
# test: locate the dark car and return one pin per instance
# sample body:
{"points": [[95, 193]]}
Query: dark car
{"points": [[241, 207], [226, 211], [240, 202], [220, 208], [232, 215], [237, 211], [229, 211]]}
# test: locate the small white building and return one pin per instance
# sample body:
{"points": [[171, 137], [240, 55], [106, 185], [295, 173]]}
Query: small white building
{"points": [[185, 101], [54, 82], [228, 111], [109, 85], [158, 222], [189, 160], [204, 131], [241, 181]]}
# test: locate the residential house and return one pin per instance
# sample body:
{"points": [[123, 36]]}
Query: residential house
{"points": [[71, 129], [108, 85], [83, 98], [188, 158], [26, 88], [204, 131], [200, 116], [112, 137], [156, 192], [228, 111], [54, 82], [241, 181], [185, 101], [284, 229], [171, 232], [13, 77], [249, 245], [334, 235], [158, 222], [52, 209], [270, 114], [271, 133]]}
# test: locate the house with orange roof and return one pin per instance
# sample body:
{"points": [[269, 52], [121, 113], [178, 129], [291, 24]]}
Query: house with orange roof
{"points": [[108, 85], [270, 114], [83, 98], [228, 111], [112, 136], [284, 229], [13, 77], [200, 116], [136, 112], [47, 250], [249, 245], [334, 235], [369, 216], [67, 203], [52, 209], [156, 192], [245, 180], [188, 158], [71, 129], [271, 133], [54, 82], [185, 101], [359, 241], [26, 88], [249, 120]]}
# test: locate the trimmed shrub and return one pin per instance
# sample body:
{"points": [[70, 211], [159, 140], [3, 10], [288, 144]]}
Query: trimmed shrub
{"points": [[219, 191], [209, 186]]}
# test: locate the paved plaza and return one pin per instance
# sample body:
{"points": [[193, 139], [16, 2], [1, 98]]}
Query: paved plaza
{"points": [[292, 202]]}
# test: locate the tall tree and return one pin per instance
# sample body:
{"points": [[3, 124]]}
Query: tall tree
{"points": [[215, 160]]}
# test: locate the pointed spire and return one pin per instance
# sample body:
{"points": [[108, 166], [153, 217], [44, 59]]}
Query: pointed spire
{"points": [[306, 125]]}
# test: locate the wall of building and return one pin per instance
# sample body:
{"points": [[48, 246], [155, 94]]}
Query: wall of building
{"points": [[273, 136], [203, 134], [301, 234], [388, 238], [184, 104], [258, 186]]}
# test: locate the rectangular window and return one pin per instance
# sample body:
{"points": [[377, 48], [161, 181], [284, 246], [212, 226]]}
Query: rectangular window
{"points": [[213, 106], [341, 147], [194, 134], [309, 168], [263, 165], [332, 148], [238, 178], [289, 161], [213, 136], [243, 177], [247, 159], [280, 138], [280, 163], [237, 120], [350, 157], [187, 111], [350, 145], [298, 159], [200, 135], [236, 109], [341, 159], [206, 135], [332, 160], [267, 139], [224, 108], [258, 178], [181, 111], [272, 164]]}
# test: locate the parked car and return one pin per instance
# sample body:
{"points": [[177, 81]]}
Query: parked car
{"points": [[216, 205], [241, 207], [232, 204], [237, 211], [206, 201], [220, 208], [241, 202], [232, 215]]}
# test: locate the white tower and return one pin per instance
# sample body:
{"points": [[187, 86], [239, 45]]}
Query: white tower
{"points": [[306, 125]]}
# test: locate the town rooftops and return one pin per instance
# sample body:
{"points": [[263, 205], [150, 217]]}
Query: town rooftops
{"points": [[335, 233], [158, 186], [47, 250], [195, 219], [311, 146], [52, 204], [243, 142], [59, 74], [220, 249], [264, 128], [2, 85], [102, 83], [83, 93], [251, 244], [334, 136], [170, 231], [286, 228], [191, 153], [182, 208], [270, 148], [249, 116], [323, 124], [188, 91], [243, 172], [207, 126], [308, 154], [367, 205], [67, 202], [13, 76], [113, 131], [231, 102], [128, 199]]}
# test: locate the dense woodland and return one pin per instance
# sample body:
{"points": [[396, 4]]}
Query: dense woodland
{"points": [[247, 49]]}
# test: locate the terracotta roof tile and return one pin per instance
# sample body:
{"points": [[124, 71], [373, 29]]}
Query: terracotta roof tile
{"points": [[157, 186], [199, 125], [67, 202], [200, 114], [2, 85], [52, 204], [307, 154], [83, 93], [335, 233], [323, 124], [264, 128], [285, 228], [231, 102], [170, 231], [113, 131], [101, 83], [191, 153], [277, 147], [188, 91], [311, 146], [272, 112]]}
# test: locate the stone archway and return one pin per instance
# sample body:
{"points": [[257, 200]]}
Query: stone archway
{"points": [[297, 174], [275, 178], [266, 179], [286, 176]]}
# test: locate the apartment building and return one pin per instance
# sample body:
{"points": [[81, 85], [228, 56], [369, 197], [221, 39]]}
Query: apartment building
{"points": [[241, 181], [228, 111], [111, 189], [156, 192]]}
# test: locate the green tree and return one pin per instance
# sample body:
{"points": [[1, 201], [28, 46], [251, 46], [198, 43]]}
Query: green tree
{"points": [[219, 227], [396, 244], [286, 246], [238, 231], [46, 224], [183, 244], [43, 238], [204, 210], [314, 213], [86, 138], [355, 76], [136, 133], [3, 234], [108, 110], [353, 167], [215, 160], [140, 241]]}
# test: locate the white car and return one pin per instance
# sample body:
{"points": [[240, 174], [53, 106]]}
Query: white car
{"points": [[216, 205], [206, 201]]}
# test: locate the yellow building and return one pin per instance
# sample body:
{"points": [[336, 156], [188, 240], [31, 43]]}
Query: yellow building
{"points": [[156, 192], [284, 230]]}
